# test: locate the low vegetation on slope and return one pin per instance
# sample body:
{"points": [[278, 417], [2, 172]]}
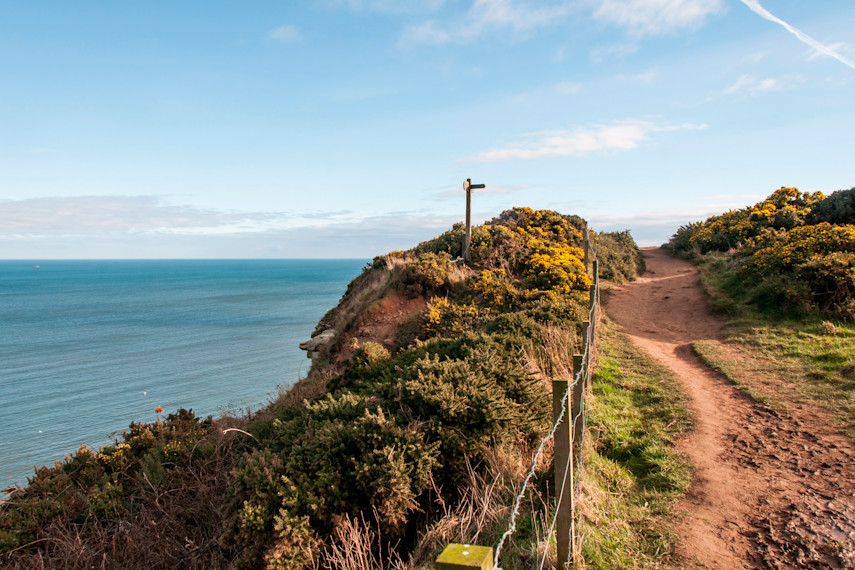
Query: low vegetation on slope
{"points": [[783, 270], [792, 254], [396, 443]]}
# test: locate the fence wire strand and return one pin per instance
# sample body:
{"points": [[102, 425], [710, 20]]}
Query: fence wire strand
{"points": [[579, 376], [560, 497]]}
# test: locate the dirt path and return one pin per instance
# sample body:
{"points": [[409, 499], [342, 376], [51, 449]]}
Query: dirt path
{"points": [[768, 491]]}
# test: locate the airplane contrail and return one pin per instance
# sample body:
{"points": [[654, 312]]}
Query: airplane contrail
{"points": [[822, 48]]}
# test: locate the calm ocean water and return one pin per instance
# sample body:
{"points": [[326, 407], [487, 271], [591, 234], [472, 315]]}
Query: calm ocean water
{"points": [[86, 347]]}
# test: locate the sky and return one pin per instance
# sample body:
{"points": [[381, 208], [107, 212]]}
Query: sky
{"points": [[345, 128]]}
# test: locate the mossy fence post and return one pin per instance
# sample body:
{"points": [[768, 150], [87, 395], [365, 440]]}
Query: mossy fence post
{"points": [[563, 472], [465, 557]]}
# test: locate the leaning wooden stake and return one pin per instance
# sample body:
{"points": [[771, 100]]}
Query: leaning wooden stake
{"points": [[563, 478]]}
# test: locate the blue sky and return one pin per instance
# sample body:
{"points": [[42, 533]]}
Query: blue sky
{"points": [[345, 128]]}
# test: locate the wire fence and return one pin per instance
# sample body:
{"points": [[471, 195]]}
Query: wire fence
{"points": [[567, 433]]}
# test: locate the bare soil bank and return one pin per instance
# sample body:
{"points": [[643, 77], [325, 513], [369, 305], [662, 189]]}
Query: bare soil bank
{"points": [[769, 490]]}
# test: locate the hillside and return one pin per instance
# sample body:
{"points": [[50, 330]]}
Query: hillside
{"points": [[793, 254], [430, 382]]}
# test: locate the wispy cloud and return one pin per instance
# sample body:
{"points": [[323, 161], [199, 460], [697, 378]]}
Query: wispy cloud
{"points": [[568, 88], [582, 141], [646, 77], [839, 47], [87, 215], [485, 17], [757, 8], [749, 86], [652, 227], [286, 34], [650, 17], [336, 234], [387, 6], [602, 53], [149, 227]]}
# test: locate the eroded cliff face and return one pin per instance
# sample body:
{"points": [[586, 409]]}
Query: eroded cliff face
{"points": [[383, 305], [392, 321]]}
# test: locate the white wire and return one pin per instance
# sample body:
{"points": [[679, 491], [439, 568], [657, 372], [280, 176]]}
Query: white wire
{"points": [[560, 496], [588, 338]]}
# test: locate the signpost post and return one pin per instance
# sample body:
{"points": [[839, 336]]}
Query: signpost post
{"points": [[467, 237]]}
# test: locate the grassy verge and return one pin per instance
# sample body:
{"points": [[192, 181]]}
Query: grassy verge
{"points": [[790, 364], [633, 474], [736, 367], [777, 359]]}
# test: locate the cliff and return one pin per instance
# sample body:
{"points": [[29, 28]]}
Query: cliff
{"points": [[428, 388]]}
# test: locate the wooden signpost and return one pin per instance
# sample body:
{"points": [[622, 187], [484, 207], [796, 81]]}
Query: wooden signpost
{"points": [[467, 237]]}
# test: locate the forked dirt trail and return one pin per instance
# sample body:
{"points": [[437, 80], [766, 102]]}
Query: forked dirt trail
{"points": [[768, 491]]}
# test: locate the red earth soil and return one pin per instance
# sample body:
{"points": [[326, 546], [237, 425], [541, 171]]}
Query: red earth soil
{"points": [[770, 489]]}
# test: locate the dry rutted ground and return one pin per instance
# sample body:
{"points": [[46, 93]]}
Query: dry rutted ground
{"points": [[769, 490]]}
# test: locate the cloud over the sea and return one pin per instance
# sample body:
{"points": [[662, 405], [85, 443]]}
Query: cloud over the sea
{"points": [[87, 215], [150, 227]]}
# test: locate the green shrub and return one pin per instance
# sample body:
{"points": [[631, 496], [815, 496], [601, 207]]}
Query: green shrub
{"points": [[838, 208], [618, 256], [450, 242], [370, 353], [681, 243], [428, 272]]}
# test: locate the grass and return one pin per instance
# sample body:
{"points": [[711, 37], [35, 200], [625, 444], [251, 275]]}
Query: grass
{"points": [[779, 360], [735, 367], [632, 474], [786, 364]]}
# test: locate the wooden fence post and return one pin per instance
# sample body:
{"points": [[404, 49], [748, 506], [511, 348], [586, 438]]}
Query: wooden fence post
{"points": [[595, 288], [587, 347], [577, 408], [563, 480], [586, 244], [465, 557]]}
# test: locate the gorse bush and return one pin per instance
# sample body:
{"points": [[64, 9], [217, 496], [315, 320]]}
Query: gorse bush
{"points": [[792, 254], [786, 208], [167, 478], [682, 243], [555, 268], [820, 258], [614, 263], [395, 433]]}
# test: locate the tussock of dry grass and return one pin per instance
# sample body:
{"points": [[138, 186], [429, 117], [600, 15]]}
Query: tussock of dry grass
{"points": [[550, 355]]}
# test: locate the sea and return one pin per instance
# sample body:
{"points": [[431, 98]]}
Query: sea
{"points": [[87, 347]]}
